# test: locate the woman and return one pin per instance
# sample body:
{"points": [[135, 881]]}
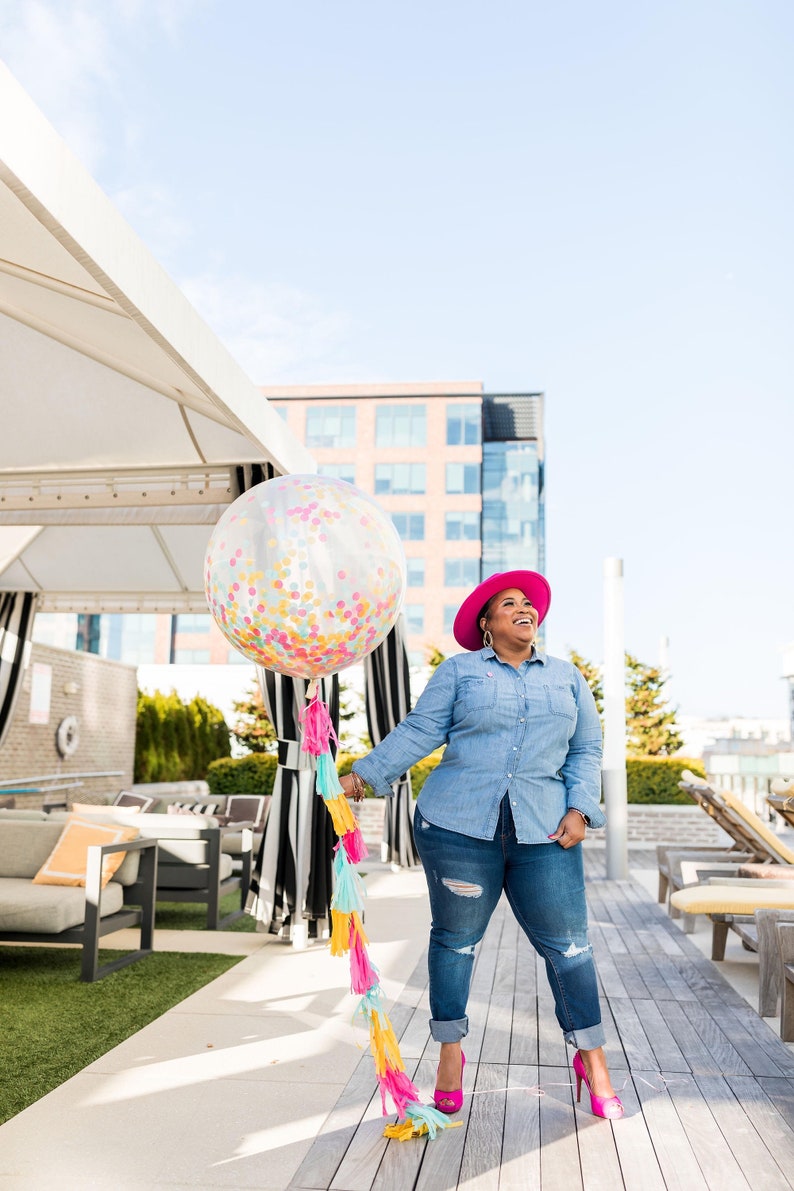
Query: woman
{"points": [[505, 809]]}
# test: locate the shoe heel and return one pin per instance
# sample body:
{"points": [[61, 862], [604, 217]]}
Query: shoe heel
{"points": [[451, 1102]]}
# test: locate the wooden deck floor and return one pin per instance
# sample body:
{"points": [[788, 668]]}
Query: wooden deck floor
{"points": [[707, 1085]]}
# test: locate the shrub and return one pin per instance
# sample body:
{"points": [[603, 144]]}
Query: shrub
{"points": [[253, 774], [422, 770], [175, 741], [654, 780]]}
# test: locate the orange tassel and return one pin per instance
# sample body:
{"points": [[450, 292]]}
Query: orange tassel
{"points": [[340, 932], [341, 814]]}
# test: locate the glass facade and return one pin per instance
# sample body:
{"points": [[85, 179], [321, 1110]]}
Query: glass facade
{"points": [[512, 507], [401, 426]]}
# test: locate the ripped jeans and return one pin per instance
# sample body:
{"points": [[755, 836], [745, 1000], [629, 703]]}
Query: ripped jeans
{"points": [[544, 885]]}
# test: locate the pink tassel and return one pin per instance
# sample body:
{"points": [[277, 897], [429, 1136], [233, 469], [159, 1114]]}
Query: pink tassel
{"points": [[354, 846], [402, 1091], [362, 974], [318, 730]]}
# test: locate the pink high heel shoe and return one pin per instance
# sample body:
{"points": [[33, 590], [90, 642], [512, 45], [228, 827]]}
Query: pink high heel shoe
{"points": [[600, 1106], [450, 1102]]}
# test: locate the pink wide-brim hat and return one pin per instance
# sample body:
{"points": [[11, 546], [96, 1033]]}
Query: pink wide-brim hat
{"points": [[466, 629]]}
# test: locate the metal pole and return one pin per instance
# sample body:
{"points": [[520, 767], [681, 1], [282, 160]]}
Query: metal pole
{"points": [[614, 764]]}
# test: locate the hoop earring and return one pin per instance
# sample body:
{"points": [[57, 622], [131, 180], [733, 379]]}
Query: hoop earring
{"points": [[487, 639]]}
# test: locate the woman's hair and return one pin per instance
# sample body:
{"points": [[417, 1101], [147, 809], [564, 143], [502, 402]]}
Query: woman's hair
{"points": [[484, 610]]}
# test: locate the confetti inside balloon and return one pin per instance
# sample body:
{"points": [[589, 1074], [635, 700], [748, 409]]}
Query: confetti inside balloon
{"points": [[305, 575]]}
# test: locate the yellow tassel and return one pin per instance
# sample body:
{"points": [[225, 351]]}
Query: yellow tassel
{"points": [[405, 1130], [341, 814], [384, 1045], [358, 929], [340, 932]]}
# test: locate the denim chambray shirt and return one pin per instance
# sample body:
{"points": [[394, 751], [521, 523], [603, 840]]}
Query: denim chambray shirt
{"points": [[533, 731]]}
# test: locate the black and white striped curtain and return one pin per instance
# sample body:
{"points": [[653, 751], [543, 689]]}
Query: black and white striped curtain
{"points": [[387, 694], [292, 882], [17, 612]]}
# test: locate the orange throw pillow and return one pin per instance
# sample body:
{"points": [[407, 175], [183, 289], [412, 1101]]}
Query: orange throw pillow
{"points": [[66, 863]]}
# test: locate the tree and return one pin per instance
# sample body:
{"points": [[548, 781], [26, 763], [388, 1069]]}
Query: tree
{"points": [[592, 676], [650, 721], [253, 728], [435, 657]]}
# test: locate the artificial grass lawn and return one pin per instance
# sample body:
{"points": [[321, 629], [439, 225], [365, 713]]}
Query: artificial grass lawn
{"points": [[193, 915], [53, 1025]]}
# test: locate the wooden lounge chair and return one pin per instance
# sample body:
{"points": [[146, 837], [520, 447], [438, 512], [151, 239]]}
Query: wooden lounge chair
{"points": [[752, 841], [752, 909]]}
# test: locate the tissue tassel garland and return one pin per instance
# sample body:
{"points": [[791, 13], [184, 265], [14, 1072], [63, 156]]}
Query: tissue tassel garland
{"points": [[347, 935]]}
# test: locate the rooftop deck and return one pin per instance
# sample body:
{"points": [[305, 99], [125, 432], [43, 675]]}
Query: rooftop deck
{"points": [[708, 1086]]}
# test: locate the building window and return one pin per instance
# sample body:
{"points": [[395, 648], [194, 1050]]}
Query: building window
{"points": [[399, 479], [195, 622], [450, 612], [192, 657], [281, 410], [331, 426], [410, 526], [415, 568], [339, 471], [401, 426], [415, 618], [461, 572], [463, 527], [463, 425], [463, 478]]}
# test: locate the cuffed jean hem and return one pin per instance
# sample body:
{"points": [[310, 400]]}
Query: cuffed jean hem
{"points": [[449, 1031], [588, 1039]]}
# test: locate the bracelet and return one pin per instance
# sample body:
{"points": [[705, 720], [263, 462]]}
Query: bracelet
{"points": [[359, 786], [584, 816]]}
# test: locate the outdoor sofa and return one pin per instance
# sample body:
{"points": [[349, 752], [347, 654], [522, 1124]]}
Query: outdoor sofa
{"points": [[55, 913]]}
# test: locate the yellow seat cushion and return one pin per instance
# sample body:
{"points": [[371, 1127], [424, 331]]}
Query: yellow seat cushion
{"points": [[66, 863], [732, 899], [777, 848]]}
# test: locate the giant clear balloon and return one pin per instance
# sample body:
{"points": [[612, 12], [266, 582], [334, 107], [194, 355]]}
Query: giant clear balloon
{"points": [[305, 575]]}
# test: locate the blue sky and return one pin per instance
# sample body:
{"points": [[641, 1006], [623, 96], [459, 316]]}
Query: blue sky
{"points": [[590, 200]]}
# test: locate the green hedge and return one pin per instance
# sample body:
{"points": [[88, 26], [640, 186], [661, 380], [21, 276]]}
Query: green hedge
{"points": [[252, 774], [651, 780], [176, 741], [654, 780]]}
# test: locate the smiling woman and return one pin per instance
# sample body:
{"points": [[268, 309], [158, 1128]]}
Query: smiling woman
{"points": [[505, 810]]}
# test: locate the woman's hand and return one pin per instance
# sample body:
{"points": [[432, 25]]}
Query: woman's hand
{"points": [[571, 830], [352, 788]]}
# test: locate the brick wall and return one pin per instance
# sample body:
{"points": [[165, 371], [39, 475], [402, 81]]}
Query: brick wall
{"points": [[104, 704], [647, 826]]}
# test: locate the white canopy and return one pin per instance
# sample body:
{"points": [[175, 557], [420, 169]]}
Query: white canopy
{"points": [[123, 416]]}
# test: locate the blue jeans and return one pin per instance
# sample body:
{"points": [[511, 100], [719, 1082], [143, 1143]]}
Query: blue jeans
{"points": [[544, 885]]}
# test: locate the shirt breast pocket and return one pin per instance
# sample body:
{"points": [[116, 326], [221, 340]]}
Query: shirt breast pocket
{"points": [[476, 694], [561, 701]]}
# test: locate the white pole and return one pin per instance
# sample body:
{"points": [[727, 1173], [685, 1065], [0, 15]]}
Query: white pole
{"points": [[614, 763]]}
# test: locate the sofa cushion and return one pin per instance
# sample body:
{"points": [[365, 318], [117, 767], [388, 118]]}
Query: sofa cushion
{"points": [[48, 909], [733, 899], [25, 844], [66, 865], [139, 801], [189, 876]]}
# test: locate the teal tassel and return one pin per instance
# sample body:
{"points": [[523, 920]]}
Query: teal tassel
{"points": [[349, 892], [327, 778], [425, 1113]]}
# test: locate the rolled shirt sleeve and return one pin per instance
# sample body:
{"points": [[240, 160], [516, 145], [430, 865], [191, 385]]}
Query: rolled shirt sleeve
{"points": [[582, 769]]}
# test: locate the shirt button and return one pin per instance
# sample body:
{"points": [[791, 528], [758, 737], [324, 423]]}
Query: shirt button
{"points": [[515, 803], [521, 720], [509, 775], [515, 749]]}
